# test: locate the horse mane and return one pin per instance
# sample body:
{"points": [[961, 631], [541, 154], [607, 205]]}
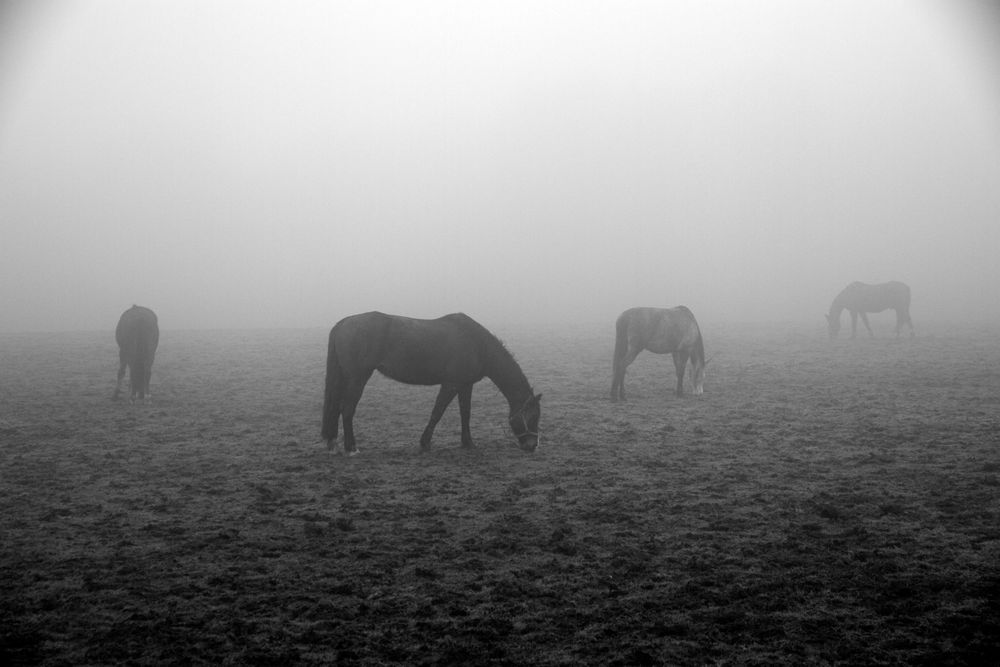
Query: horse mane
{"points": [[699, 344], [494, 344], [494, 349], [699, 347]]}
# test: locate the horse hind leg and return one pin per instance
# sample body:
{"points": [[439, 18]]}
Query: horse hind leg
{"points": [[465, 412], [121, 376], [347, 415], [146, 377], [617, 380], [903, 319], [141, 381], [348, 407], [618, 383], [133, 381]]}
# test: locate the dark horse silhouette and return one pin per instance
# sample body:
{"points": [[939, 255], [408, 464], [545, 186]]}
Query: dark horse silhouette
{"points": [[453, 351], [137, 334], [659, 330], [862, 298]]}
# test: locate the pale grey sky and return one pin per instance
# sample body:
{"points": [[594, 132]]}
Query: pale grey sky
{"points": [[239, 163]]}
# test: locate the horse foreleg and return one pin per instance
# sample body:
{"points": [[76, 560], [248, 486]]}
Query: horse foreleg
{"points": [[145, 381], [901, 319], [465, 411], [444, 397], [680, 361], [864, 318]]}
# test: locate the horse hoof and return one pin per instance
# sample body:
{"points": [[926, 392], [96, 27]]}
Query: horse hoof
{"points": [[353, 452]]}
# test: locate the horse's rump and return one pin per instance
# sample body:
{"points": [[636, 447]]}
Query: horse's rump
{"points": [[137, 335]]}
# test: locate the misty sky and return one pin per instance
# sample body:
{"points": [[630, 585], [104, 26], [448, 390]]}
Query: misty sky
{"points": [[243, 164]]}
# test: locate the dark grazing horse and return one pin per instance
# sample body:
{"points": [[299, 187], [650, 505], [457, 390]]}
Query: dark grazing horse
{"points": [[137, 334], [862, 298], [659, 330], [453, 351]]}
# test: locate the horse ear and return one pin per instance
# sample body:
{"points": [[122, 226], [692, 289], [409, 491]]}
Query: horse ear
{"points": [[538, 398]]}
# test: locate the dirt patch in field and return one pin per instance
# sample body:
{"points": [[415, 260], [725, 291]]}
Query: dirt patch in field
{"points": [[819, 503]]}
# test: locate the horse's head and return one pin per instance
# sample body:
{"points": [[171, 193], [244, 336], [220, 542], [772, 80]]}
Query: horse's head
{"points": [[832, 325], [524, 423]]}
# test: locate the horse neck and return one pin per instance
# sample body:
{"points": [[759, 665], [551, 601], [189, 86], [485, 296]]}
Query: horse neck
{"points": [[507, 375], [837, 306]]}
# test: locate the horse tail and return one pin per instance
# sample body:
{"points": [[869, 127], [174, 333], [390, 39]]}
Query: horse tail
{"points": [[698, 360], [147, 340], [334, 391], [621, 349], [621, 341], [137, 368]]}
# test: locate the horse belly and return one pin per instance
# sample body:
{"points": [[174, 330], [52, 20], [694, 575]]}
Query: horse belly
{"points": [[661, 347], [409, 370], [409, 375]]}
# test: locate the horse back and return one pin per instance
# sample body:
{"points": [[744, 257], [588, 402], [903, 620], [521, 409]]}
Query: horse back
{"points": [[411, 350], [869, 298], [660, 330]]}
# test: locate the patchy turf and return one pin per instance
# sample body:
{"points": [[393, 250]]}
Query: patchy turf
{"points": [[820, 503]]}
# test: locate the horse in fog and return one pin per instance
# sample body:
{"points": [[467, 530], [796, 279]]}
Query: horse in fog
{"points": [[661, 331], [859, 299], [137, 334], [453, 351]]}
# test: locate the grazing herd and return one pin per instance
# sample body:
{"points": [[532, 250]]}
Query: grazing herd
{"points": [[455, 352]]}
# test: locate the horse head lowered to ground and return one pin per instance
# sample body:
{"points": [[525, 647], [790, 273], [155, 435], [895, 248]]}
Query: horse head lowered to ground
{"points": [[453, 351], [137, 335], [661, 331], [859, 299]]}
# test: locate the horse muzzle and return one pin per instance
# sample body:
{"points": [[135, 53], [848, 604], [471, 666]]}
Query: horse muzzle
{"points": [[529, 442]]}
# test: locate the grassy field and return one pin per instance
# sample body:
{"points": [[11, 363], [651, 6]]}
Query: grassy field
{"points": [[821, 503]]}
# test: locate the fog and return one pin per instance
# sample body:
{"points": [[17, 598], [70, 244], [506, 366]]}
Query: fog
{"points": [[247, 164]]}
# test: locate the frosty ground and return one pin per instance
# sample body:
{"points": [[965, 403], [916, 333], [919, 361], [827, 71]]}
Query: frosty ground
{"points": [[822, 502]]}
